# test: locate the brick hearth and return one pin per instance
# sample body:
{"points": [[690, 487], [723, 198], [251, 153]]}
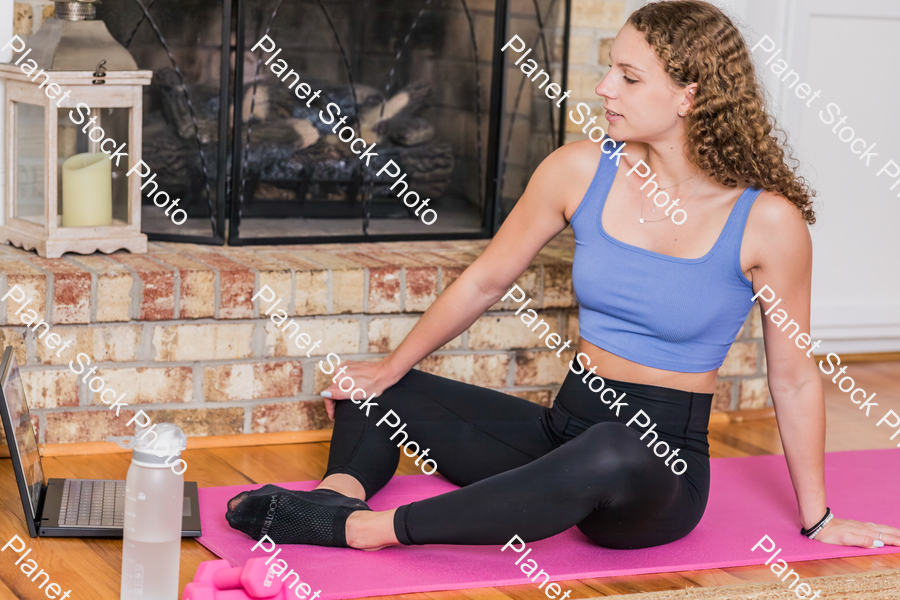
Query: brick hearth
{"points": [[177, 330]]}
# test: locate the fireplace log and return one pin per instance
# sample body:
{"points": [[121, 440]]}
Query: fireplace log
{"points": [[428, 168], [412, 132], [291, 148], [377, 121], [174, 102]]}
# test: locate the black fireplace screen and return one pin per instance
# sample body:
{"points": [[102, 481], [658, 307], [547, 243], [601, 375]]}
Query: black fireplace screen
{"points": [[185, 134], [344, 120]]}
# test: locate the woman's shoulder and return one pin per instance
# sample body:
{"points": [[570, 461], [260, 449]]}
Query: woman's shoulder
{"points": [[573, 165], [776, 228], [581, 154], [773, 212]]}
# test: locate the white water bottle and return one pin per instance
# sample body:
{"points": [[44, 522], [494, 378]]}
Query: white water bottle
{"points": [[154, 492]]}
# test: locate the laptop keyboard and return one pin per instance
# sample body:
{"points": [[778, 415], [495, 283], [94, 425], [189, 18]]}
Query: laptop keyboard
{"points": [[93, 503]]}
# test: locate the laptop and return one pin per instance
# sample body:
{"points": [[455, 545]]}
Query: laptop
{"points": [[66, 507]]}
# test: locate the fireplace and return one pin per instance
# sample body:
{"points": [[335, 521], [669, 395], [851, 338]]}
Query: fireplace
{"points": [[420, 81]]}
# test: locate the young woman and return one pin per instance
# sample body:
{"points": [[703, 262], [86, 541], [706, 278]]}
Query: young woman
{"points": [[660, 305]]}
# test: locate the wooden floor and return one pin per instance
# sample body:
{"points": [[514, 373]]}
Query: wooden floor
{"points": [[90, 567]]}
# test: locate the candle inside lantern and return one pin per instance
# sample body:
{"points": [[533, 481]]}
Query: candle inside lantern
{"points": [[87, 190]]}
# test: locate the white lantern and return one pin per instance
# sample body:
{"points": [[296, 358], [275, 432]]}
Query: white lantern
{"points": [[73, 114]]}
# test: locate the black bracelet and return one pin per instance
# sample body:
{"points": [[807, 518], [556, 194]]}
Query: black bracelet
{"points": [[818, 525]]}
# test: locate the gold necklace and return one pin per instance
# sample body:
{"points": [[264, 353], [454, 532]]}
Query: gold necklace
{"points": [[662, 189], [654, 204]]}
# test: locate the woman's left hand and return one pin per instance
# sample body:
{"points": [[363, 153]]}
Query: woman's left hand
{"points": [[846, 532]]}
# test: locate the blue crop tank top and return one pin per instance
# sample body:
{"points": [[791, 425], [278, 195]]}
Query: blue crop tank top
{"points": [[676, 314]]}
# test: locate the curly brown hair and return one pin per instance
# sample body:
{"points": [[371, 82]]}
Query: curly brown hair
{"points": [[730, 135]]}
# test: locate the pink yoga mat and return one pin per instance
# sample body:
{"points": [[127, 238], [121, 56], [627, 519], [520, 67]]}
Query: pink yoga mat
{"points": [[749, 498]]}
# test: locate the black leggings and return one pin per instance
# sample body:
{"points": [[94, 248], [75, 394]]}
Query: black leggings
{"points": [[533, 471]]}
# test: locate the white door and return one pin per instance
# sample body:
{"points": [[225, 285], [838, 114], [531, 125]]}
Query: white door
{"points": [[850, 50]]}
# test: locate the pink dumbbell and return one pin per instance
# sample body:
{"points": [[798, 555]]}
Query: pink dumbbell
{"points": [[253, 580], [196, 591]]}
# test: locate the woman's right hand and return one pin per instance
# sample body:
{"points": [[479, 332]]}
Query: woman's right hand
{"points": [[846, 532], [370, 377]]}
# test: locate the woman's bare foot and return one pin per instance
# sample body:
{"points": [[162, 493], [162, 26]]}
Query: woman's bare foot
{"points": [[365, 530], [368, 530]]}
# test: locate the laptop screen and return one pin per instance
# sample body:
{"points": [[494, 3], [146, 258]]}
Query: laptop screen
{"points": [[23, 431]]}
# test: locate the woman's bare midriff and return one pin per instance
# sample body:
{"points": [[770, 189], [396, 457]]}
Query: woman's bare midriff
{"points": [[617, 368]]}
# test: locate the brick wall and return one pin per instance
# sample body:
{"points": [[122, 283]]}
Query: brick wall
{"points": [[29, 15], [177, 331]]}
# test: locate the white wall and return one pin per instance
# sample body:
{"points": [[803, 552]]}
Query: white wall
{"points": [[849, 51], [6, 28], [6, 32]]}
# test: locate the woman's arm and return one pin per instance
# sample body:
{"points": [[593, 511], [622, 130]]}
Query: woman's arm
{"points": [[785, 266], [783, 262], [538, 216]]}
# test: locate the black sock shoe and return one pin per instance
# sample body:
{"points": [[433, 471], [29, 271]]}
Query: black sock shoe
{"points": [[318, 517]]}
